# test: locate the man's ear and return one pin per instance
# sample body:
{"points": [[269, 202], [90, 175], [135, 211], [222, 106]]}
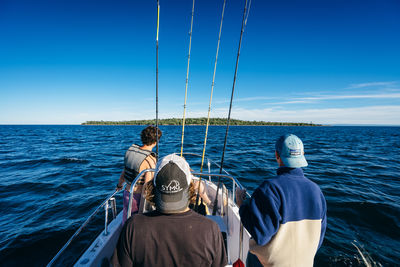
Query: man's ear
{"points": [[278, 158]]}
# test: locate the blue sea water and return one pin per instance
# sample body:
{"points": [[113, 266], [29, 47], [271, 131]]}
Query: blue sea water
{"points": [[53, 177]]}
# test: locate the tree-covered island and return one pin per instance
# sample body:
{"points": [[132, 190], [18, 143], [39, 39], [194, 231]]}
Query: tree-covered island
{"points": [[199, 121]]}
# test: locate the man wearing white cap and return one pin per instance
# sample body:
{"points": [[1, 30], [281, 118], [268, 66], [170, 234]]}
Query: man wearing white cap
{"points": [[286, 215], [172, 235]]}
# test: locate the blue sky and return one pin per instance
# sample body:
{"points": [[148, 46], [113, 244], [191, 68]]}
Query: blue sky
{"points": [[330, 62]]}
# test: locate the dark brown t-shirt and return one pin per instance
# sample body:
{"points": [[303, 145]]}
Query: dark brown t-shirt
{"points": [[182, 239]]}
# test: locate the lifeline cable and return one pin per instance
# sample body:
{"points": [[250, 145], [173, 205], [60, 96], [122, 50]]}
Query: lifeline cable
{"points": [[158, 23], [211, 95], [244, 22], [187, 78]]}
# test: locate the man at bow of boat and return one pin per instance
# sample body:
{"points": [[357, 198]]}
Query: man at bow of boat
{"points": [[138, 158], [286, 215], [173, 234]]}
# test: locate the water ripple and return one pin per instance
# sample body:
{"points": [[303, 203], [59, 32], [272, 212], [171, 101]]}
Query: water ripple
{"points": [[53, 177]]}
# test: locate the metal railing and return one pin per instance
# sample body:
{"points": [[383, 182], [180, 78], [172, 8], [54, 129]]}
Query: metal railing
{"points": [[105, 203], [114, 213], [209, 174], [132, 186], [235, 182], [209, 160]]}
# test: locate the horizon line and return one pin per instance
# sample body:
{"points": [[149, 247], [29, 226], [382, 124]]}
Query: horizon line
{"points": [[80, 124]]}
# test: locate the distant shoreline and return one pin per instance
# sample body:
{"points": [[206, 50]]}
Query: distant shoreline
{"points": [[200, 122]]}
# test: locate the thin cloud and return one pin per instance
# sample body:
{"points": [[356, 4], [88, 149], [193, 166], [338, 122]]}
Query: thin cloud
{"points": [[302, 100], [332, 97], [379, 115], [383, 115], [244, 99], [291, 102], [391, 93], [371, 84], [256, 98]]}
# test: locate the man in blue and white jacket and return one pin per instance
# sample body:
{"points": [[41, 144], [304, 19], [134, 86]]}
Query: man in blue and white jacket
{"points": [[286, 215]]}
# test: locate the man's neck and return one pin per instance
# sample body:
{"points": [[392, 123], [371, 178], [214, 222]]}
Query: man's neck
{"points": [[148, 147], [177, 212]]}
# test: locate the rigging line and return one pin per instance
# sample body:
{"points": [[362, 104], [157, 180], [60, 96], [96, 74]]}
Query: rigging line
{"points": [[211, 95], [187, 78], [244, 22], [158, 26]]}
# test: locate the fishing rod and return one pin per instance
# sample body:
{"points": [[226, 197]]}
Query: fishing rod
{"points": [[187, 78], [244, 22], [212, 85], [158, 24], [211, 95]]}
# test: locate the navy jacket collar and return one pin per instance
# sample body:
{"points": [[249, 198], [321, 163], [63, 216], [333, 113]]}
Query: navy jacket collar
{"points": [[291, 171]]}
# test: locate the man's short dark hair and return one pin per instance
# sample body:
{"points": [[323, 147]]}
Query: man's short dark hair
{"points": [[149, 135]]}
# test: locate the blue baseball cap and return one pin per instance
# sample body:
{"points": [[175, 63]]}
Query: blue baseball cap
{"points": [[291, 150]]}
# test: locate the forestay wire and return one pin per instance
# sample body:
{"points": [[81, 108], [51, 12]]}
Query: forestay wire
{"points": [[246, 11], [158, 24], [209, 106], [187, 79]]}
